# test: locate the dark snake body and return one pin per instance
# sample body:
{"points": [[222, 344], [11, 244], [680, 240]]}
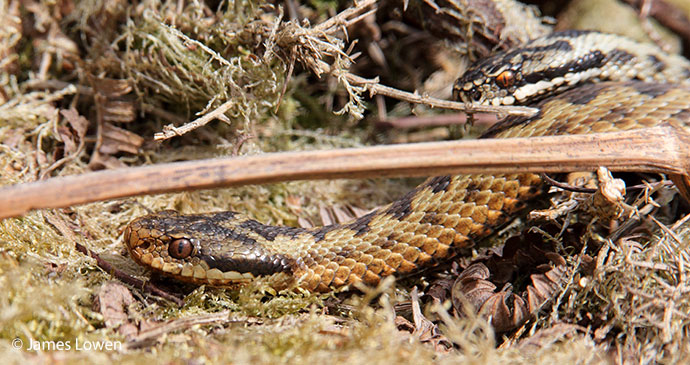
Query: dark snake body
{"points": [[445, 215]]}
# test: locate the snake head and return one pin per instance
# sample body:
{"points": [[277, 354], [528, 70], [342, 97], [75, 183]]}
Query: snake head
{"points": [[547, 65], [488, 84], [202, 249]]}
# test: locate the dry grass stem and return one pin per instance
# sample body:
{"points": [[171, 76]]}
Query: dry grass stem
{"points": [[310, 46], [170, 131], [636, 150], [375, 88], [307, 45]]}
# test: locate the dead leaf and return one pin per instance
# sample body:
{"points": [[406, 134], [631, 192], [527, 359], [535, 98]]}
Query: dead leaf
{"points": [[68, 139], [76, 121], [100, 161], [116, 140], [113, 303], [119, 111], [112, 88], [426, 330]]}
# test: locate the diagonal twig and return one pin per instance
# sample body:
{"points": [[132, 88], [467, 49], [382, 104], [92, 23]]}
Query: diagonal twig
{"points": [[377, 89], [662, 149]]}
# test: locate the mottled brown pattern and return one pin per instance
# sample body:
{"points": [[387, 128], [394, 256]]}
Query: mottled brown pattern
{"points": [[602, 107], [658, 64]]}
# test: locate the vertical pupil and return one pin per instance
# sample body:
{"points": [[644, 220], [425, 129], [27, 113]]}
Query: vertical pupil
{"points": [[505, 79], [180, 248]]}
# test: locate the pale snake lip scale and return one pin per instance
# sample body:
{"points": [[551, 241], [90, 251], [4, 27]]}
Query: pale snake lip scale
{"points": [[445, 215]]}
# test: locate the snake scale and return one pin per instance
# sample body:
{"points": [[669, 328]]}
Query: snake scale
{"points": [[614, 84]]}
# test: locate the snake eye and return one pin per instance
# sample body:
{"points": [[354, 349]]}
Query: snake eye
{"points": [[180, 248], [505, 79]]}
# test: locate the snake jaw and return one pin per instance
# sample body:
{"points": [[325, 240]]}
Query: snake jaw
{"points": [[217, 252]]}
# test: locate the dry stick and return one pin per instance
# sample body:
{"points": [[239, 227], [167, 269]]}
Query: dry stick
{"points": [[341, 19], [170, 131], [377, 89], [437, 120], [329, 26], [154, 333], [662, 149], [146, 286]]}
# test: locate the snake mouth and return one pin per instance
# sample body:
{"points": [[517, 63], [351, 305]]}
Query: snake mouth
{"points": [[152, 248]]}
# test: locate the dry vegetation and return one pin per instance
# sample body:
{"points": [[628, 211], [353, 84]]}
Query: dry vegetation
{"points": [[86, 85]]}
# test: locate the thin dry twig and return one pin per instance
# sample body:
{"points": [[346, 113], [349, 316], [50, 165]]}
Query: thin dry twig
{"points": [[316, 44], [437, 120], [374, 88], [578, 189], [377, 89], [64, 229], [170, 131], [660, 149], [565, 186], [341, 20]]}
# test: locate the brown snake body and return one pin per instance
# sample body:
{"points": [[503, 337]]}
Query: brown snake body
{"points": [[446, 214]]}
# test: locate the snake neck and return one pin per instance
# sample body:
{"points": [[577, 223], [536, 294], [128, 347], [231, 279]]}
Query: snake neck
{"points": [[436, 220]]}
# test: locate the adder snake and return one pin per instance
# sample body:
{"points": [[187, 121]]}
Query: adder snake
{"points": [[615, 84]]}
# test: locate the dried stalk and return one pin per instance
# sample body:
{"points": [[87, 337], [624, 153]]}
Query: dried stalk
{"points": [[170, 130], [662, 149], [151, 334], [377, 89]]}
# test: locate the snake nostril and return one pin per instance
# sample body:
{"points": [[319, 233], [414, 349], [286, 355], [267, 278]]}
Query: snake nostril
{"points": [[144, 245], [476, 95]]}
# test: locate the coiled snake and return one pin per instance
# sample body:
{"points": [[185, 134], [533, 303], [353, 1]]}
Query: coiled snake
{"points": [[615, 84]]}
